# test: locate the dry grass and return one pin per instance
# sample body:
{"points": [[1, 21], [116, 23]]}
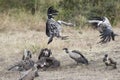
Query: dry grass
{"points": [[19, 21], [16, 35]]}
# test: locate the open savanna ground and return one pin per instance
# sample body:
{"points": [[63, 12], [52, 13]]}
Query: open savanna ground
{"points": [[15, 37]]}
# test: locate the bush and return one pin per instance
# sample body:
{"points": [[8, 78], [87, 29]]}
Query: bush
{"points": [[76, 11], [90, 8]]}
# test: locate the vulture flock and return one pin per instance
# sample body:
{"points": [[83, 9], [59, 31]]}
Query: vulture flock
{"points": [[53, 29], [102, 24], [31, 67]]}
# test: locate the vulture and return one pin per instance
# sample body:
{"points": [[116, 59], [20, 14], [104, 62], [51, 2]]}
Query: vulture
{"points": [[109, 61], [48, 62], [22, 65], [102, 24], [30, 74], [53, 27], [25, 64], [27, 55], [77, 56], [45, 53]]}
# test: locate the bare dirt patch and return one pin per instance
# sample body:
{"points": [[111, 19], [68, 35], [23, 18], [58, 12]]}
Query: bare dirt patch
{"points": [[14, 42]]}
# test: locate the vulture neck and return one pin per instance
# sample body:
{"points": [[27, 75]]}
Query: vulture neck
{"points": [[50, 16], [66, 51]]}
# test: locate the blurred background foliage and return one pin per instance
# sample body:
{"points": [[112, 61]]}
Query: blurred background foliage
{"points": [[76, 11]]}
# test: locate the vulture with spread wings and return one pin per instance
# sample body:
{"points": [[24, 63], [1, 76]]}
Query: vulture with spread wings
{"points": [[103, 25], [53, 27]]}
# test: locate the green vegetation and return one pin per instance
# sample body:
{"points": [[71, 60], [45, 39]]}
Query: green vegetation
{"points": [[76, 11], [90, 8]]}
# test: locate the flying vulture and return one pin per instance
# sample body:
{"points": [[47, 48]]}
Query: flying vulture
{"points": [[102, 24]]}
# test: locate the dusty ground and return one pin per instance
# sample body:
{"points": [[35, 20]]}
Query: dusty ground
{"points": [[14, 42]]}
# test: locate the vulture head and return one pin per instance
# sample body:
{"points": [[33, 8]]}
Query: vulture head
{"points": [[51, 12], [66, 50]]}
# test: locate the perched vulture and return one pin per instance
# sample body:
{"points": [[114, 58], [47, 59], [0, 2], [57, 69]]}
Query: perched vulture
{"points": [[27, 55], [30, 74], [22, 65], [25, 64], [109, 61], [77, 56], [45, 53]]}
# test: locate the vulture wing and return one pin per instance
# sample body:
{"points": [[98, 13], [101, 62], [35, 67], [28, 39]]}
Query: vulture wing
{"points": [[105, 29], [82, 59], [52, 29]]}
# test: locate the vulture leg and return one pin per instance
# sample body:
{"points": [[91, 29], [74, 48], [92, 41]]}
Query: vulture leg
{"points": [[113, 36], [50, 39]]}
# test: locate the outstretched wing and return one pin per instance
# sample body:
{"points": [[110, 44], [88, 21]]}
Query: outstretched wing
{"points": [[105, 29], [65, 23], [94, 23], [18, 65], [106, 35]]}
